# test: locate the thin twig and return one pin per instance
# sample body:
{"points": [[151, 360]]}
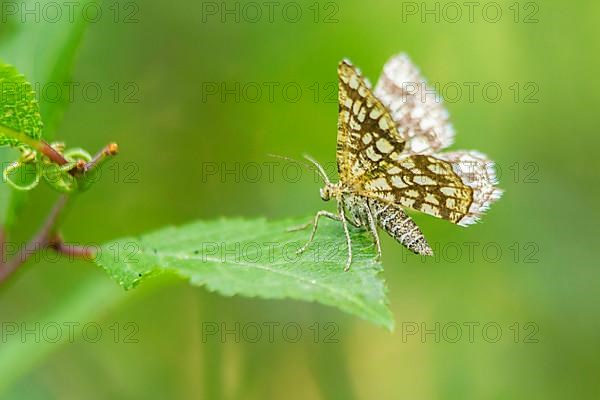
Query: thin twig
{"points": [[46, 236], [50, 152], [85, 171], [2, 244], [39, 145], [111, 149], [40, 240], [72, 251]]}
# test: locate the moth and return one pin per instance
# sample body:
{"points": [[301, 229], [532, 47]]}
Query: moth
{"points": [[388, 157]]}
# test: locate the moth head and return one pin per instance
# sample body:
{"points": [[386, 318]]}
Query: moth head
{"points": [[325, 193]]}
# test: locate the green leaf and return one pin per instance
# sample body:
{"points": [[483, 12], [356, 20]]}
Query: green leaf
{"points": [[44, 51], [257, 258], [19, 109]]}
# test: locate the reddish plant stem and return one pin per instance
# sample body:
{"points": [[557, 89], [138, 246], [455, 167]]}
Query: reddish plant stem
{"points": [[111, 149], [47, 150], [46, 236], [39, 241], [81, 166], [2, 243], [39, 145], [70, 250]]}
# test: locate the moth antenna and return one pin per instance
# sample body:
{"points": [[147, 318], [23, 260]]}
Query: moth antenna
{"points": [[319, 168], [288, 159], [313, 165]]}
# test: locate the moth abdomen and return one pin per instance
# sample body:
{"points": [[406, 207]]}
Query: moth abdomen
{"points": [[392, 219]]}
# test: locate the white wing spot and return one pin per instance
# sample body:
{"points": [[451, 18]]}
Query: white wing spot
{"points": [[408, 164], [362, 114], [373, 155], [430, 198], [398, 182], [384, 123], [436, 169], [345, 116], [375, 113], [354, 125], [379, 184], [384, 146], [449, 191], [423, 180]]}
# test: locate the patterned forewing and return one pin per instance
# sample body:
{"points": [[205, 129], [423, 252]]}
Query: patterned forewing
{"points": [[374, 160], [365, 128], [420, 182]]}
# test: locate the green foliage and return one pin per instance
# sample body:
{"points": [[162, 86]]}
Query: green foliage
{"points": [[257, 258], [21, 126], [58, 177], [44, 51], [19, 110]]}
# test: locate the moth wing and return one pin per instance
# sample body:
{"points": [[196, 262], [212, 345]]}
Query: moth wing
{"points": [[418, 112], [421, 182], [364, 125]]}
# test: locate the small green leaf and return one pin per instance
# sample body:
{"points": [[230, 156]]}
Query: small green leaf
{"points": [[257, 258], [19, 109], [44, 50]]}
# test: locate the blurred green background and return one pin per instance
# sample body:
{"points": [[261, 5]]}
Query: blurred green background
{"points": [[164, 56]]}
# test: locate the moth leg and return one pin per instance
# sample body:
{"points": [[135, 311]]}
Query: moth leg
{"points": [[315, 223], [373, 228], [299, 227], [347, 233]]}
